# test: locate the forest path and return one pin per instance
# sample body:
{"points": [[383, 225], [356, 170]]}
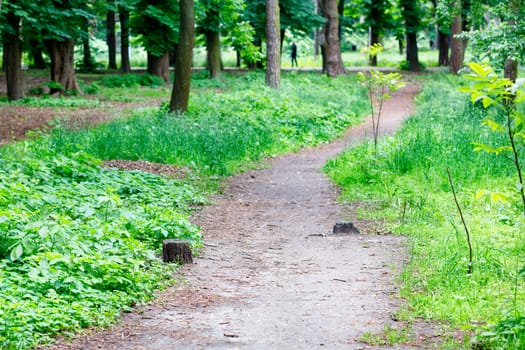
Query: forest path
{"points": [[270, 276]]}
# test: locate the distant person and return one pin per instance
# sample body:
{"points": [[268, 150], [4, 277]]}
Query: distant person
{"points": [[294, 54]]}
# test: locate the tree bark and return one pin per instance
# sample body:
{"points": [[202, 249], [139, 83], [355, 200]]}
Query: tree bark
{"points": [[412, 52], [374, 39], [87, 61], [332, 46], [184, 56], [36, 52], [443, 47], [177, 251], [340, 11], [125, 65], [13, 58], [213, 53], [159, 65], [111, 40], [273, 57], [456, 46], [510, 69], [63, 65]]}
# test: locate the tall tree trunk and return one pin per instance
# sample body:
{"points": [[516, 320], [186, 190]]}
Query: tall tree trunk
{"points": [[213, 53], [411, 15], [332, 45], [36, 52], [443, 47], [159, 65], [456, 45], [273, 57], [63, 65], [111, 40], [87, 60], [412, 52], [13, 58], [340, 11], [184, 56], [125, 65]]}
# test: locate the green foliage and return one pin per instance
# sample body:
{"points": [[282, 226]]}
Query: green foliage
{"points": [[405, 182], [130, 80], [379, 87], [79, 242], [223, 131]]}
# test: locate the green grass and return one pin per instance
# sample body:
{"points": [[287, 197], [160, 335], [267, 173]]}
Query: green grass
{"points": [[405, 182], [228, 124], [80, 243]]}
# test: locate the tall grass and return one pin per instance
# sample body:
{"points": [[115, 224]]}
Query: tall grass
{"points": [[406, 183], [228, 126]]}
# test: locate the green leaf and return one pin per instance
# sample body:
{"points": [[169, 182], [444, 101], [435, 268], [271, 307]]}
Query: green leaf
{"points": [[498, 197], [16, 252], [493, 125]]}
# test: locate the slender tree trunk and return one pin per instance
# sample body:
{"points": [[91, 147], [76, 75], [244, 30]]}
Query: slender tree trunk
{"points": [[159, 65], [273, 57], [456, 46], [332, 45], [184, 56], [510, 69], [374, 39], [111, 39], [238, 58], [87, 60], [443, 48], [213, 53], [63, 65], [13, 58], [412, 52], [125, 65]]}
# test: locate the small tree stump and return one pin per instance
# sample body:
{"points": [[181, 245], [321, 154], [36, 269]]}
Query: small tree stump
{"points": [[345, 228], [174, 250]]}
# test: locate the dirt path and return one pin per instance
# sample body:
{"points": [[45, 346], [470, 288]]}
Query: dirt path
{"points": [[269, 276]]}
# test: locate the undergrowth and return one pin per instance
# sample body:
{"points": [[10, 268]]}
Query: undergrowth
{"points": [[80, 243], [225, 129], [405, 181]]}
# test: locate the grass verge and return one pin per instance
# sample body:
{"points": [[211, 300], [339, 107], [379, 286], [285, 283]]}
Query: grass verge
{"points": [[405, 182]]}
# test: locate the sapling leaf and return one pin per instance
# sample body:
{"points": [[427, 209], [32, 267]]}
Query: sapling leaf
{"points": [[16, 252]]}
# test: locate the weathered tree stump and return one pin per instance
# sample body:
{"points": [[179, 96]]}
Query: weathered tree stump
{"points": [[345, 228], [174, 250]]}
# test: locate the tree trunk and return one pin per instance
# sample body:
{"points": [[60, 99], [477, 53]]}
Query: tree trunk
{"points": [[184, 56], [456, 46], [87, 61], [340, 11], [273, 57], [63, 65], [412, 53], [443, 48], [159, 65], [13, 58], [510, 69], [125, 65], [332, 45], [111, 40], [213, 53], [36, 53], [374, 39], [237, 58]]}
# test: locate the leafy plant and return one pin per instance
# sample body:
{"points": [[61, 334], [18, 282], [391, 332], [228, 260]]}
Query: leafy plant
{"points": [[379, 87]]}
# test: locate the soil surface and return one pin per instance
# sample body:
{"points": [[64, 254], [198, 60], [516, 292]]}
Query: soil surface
{"points": [[272, 275]]}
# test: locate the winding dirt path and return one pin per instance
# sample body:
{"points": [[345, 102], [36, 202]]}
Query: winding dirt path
{"points": [[270, 275]]}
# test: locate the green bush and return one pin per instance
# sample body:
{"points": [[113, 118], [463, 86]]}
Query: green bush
{"points": [[131, 80]]}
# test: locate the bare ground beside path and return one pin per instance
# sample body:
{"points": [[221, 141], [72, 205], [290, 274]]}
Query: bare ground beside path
{"points": [[268, 276]]}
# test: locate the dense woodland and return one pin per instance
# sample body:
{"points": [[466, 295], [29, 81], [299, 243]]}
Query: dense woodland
{"points": [[79, 242]]}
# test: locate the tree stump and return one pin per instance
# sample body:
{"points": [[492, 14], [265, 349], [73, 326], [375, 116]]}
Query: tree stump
{"points": [[344, 228], [174, 250]]}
